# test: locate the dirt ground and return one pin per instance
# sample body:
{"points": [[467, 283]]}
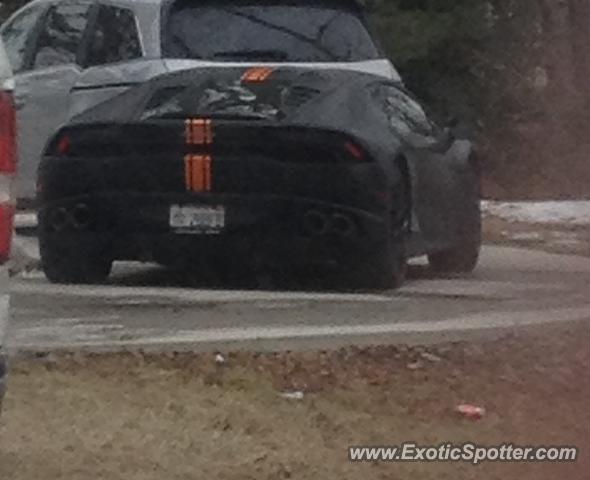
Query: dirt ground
{"points": [[183, 416]]}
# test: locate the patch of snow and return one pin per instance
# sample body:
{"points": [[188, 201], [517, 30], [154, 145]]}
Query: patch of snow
{"points": [[570, 243], [25, 219], [524, 236], [575, 212], [561, 235]]}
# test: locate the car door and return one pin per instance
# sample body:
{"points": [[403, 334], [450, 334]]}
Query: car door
{"points": [[43, 87], [18, 35]]}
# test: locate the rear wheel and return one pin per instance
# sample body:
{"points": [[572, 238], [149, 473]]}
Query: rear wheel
{"points": [[459, 260], [386, 267], [73, 262], [464, 256]]}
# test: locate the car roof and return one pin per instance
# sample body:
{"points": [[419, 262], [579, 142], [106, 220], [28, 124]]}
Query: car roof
{"points": [[359, 4], [120, 2]]}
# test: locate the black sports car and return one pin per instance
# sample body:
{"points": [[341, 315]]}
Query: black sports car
{"points": [[263, 166]]}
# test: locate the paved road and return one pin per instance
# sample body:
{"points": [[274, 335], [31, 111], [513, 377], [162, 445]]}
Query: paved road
{"points": [[148, 307]]}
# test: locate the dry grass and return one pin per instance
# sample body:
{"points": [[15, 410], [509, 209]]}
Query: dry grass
{"points": [[182, 416]]}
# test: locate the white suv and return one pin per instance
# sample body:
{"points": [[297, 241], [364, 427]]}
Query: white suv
{"points": [[7, 171]]}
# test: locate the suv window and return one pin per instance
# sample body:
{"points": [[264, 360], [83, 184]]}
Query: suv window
{"points": [[61, 36], [115, 38], [254, 31], [16, 36]]}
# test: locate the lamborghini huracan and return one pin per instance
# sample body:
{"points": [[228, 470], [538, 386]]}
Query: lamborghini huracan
{"points": [[265, 166], [273, 163]]}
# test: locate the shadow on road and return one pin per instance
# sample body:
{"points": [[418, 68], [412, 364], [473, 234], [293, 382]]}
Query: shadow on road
{"points": [[158, 276]]}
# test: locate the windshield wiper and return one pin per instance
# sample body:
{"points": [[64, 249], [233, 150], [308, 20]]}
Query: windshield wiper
{"points": [[278, 55]]}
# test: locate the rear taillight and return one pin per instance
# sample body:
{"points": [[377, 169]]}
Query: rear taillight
{"points": [[7, 171], [354, 150], [64, 145]]}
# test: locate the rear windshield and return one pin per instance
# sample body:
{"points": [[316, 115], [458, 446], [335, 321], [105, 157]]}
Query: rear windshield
{"points": [[245, 32]]}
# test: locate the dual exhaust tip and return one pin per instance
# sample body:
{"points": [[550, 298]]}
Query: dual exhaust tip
{"points": [[316, 223], [79, 217]]}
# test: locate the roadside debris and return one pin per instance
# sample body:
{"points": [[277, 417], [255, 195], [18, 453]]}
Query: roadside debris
{"points": [[417, 365], [471, 412], [298, 395], [219, 359], [431, 357]]}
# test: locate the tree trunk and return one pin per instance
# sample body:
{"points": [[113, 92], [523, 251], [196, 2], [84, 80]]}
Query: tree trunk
{"points": [[562, 93]]}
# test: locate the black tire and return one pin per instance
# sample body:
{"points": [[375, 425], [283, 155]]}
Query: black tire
{"points": [[463, 258], [385, 269], [69, 263]]}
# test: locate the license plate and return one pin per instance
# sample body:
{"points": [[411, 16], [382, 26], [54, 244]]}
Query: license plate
{"points": [[198, 220]]}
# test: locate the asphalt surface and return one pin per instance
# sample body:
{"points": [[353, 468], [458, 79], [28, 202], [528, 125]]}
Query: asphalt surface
{"points": [[145, 306]]}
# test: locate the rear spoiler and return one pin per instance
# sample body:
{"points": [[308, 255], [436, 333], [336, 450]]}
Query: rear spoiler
{"points": [[103, 86]]}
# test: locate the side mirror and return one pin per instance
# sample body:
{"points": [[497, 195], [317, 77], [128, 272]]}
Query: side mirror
{"points": [[445, 139], [461, 130]]}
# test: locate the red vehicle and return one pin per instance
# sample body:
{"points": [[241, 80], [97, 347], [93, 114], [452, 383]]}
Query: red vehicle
{"points": [[7, 204]]}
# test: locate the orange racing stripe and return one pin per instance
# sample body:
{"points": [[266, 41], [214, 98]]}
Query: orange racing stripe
{"points": [[197, 174], [257, 74], [198, 131]]}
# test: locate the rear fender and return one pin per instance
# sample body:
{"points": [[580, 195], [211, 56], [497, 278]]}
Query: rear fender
{"points": [[441, 185]]}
